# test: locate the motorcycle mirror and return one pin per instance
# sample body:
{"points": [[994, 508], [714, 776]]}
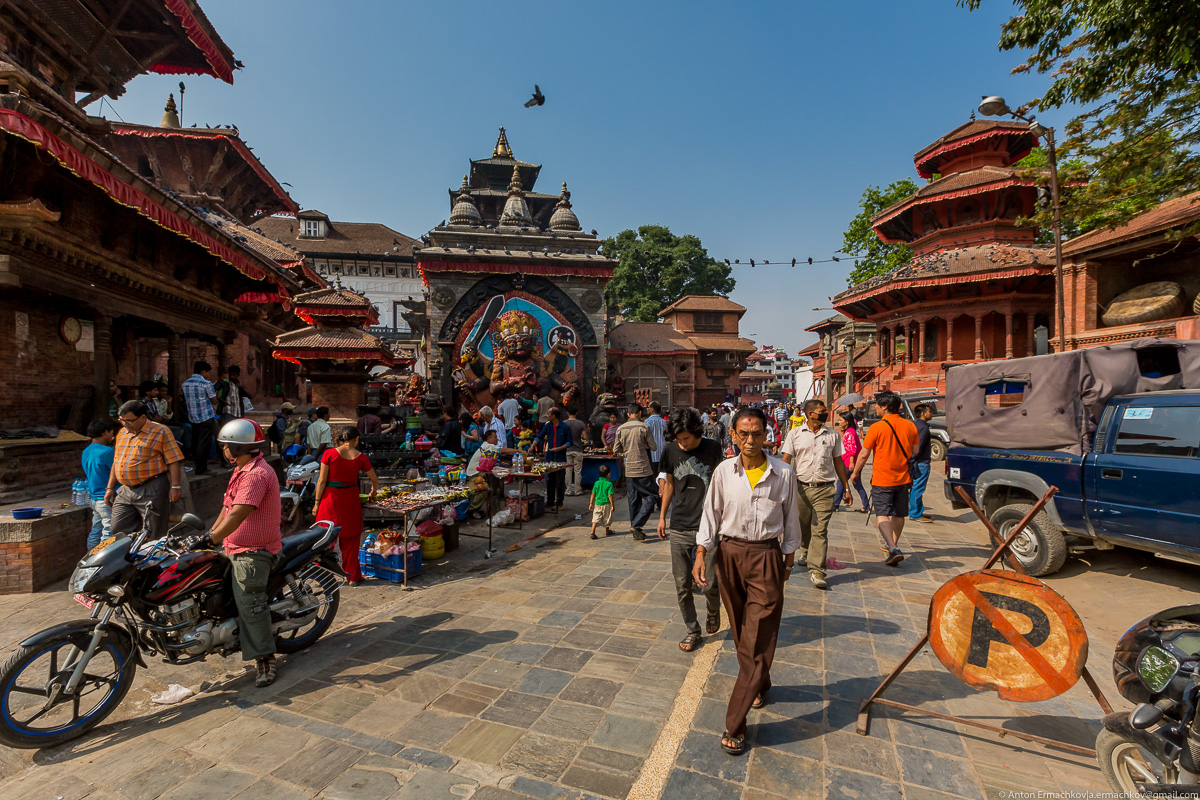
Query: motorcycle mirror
{"points": [[192, 521], [1145, 716]]}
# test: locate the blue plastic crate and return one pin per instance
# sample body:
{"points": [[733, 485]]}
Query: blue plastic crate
{"points": [[389, 568], [460, 509]]}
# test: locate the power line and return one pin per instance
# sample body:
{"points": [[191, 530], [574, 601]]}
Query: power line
{"points": [[804, 262]]}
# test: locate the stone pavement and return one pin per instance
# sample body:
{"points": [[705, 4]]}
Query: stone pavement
{"points": [[553, 672]]}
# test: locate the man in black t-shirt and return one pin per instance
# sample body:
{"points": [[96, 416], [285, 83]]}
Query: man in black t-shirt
{"points": [[687, 466]]}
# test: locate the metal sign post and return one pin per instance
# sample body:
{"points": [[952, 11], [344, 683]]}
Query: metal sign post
{"points": [[967, 625]]}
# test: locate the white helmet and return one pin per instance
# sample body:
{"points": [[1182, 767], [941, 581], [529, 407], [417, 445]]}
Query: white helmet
{"points": [[241, 431]]}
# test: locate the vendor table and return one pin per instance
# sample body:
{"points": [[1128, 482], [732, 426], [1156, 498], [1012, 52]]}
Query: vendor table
{"points": [[407, 519], [591, 468], [526, 478]]}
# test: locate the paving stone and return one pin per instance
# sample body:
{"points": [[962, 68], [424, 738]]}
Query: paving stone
{"points": [[606, 784], [430, 784], [160, 777], [701, 751], [262, 790], [360, 784], [928, 734], [780, 773], [562, 619], [591, 691], [485, 742], [544, 682], [318, 764], [523, 653], [542, 790], [936, 771], [684, 784], [601, 758], [375, 744], [428, 758], [710, 715], [863, 753], [431, 729], [842, 784], [215, 783], [626, 734], [454, 703], [566, 659], [541, 755], [501, 674], [611, 667], [569, 721], [628, 646], [795, 736], [455, 665], [496, 793], [517, 709]]}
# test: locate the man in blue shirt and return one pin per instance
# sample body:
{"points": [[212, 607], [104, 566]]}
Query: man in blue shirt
{"points": [[555, 437], [97, 463], [201, 399]]}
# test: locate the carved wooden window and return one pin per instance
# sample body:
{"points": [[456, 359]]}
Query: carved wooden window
{"points": [[707, 321]]}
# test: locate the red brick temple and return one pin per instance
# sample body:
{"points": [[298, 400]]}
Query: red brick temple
{"points": [[978, 285], [334, 351]]}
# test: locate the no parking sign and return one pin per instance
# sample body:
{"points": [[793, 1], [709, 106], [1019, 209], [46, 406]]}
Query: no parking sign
{"points": [[1008, 632]]}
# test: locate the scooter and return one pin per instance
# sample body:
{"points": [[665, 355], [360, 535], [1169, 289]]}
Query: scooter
{"points": [[296, 499], [1154, 750]]}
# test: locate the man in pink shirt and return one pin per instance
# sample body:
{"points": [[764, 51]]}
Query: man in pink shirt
{"points": [[248, 529]]}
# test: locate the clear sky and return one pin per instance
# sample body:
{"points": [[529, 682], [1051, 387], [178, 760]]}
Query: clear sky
{"points": [[754, 125]]}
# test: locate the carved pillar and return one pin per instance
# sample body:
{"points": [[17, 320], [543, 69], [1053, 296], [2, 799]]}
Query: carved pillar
{"points": [[1029, 346], [921, 341], [849, 365], [978, 337], [1008, 334], [950, 339], [101, 364]]}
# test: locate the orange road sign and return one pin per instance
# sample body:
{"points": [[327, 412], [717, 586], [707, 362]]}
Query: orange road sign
{"points": [[1008, 632]]}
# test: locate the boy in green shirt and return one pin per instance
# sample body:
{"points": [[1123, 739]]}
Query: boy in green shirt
{"points": [[601, 503]]}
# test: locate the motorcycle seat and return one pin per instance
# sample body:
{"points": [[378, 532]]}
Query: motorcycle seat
{"points": [[300, 543]]}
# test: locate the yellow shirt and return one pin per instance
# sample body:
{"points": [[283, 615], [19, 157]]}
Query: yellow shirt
{"points": [[756, 474], [797, 420]]}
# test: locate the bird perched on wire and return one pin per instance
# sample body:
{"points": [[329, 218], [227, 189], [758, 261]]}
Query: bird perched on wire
{"points": [[538, 98]]}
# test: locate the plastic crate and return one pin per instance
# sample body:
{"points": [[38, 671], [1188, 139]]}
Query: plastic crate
{"points": [[537, 505], [461, 508], [389, 568]]}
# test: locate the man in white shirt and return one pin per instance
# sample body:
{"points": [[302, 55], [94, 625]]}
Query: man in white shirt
{"points": [[508, 410], [320, 436], [750, 509], [489, 421]]}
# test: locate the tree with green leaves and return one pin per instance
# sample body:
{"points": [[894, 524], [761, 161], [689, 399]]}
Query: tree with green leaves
{"points": [[873, 256], [1133, 67], [655, 268]]}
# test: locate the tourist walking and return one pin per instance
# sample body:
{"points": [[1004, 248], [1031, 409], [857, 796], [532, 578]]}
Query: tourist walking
{"points": [[634, 445], [337, 496], [319, 437], [97, 465], [847, 426], [814, 450], [146, 475], [554, 439], [687, 467], [893, 440], [713, 429], [658, 437], [751, 511], [920, 464], [574, 474], [601, 503], [201, 400]]}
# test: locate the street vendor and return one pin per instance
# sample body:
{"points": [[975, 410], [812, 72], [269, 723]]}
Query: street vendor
{"points": [[554, 439], [482, 479]]}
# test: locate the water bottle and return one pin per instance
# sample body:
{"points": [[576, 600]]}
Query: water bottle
{"points": [[79, 493], [408, 441], [518, 463]]}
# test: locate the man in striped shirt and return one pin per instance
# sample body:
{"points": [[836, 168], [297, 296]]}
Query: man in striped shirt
{"points": [[201, 400]]}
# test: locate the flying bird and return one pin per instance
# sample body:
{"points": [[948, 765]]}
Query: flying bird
{"points": [[538, 98]]}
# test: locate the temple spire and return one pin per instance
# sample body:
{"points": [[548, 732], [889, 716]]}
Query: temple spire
{"points": [[502, 150], [464, 211], [564, 218], [516, 210], [170, 118]]}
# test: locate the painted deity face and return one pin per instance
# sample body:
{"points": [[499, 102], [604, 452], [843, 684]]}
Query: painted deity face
{"points": [[519, 334]]}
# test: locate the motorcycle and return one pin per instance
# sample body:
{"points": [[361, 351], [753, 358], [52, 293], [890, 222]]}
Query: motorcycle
{"points": [[1155, 749], [147, 599], [296, 501]]}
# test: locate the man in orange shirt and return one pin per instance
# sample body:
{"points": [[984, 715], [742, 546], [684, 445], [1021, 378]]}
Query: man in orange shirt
{"points": [[893, 440], [146, 475]]}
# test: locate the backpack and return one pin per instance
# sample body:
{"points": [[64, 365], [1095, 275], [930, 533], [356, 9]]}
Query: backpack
{"points": [[275, 432]]}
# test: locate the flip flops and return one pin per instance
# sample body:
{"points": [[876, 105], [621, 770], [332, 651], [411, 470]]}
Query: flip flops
{"points": [[690, 642], [737, 748], [713, 623]]}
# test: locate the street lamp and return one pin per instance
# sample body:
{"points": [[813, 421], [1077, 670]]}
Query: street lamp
{"points": [[996, 107]]}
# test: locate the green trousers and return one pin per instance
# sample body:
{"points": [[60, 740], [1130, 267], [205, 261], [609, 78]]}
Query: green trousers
{"points": [[816, 507], [250, 573]]}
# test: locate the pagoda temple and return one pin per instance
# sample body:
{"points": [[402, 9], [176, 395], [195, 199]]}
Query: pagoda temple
{"points": [[516, 291], [978, 284], [334, 352]]}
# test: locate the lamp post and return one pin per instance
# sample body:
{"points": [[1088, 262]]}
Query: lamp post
{"points": [[996, 107]]}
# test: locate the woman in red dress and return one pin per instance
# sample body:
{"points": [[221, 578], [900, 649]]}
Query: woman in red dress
{"points": [[337, 496]]}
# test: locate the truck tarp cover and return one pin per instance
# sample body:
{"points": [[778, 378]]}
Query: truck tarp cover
{"points": [[1054, 402]]}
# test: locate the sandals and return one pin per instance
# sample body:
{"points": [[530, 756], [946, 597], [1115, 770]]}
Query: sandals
{"points": [[759, 700], [690, 642], [266, 672], [737, 746], [713, 623], [594, 536]]}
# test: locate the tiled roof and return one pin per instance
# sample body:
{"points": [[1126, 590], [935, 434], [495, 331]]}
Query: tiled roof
{"points": [[1163, 217], [735, 343], [958, 182], [985, 260], [333, 297], [755, 373], [648, 337], [696, 302], [836, 319], [970, 130], [254, 240], [340, 338], [343, 238]]}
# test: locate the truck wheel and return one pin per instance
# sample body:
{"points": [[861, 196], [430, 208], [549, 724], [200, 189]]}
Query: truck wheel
{"points": [[937, 450], [1040, 548]]}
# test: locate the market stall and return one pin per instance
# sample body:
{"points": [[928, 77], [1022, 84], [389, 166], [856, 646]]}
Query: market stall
{"points": [[537, 471], [594, 459]]}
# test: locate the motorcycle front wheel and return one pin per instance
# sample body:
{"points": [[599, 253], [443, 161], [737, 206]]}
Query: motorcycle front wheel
{"points": [[36, 710], [1125, 763]]}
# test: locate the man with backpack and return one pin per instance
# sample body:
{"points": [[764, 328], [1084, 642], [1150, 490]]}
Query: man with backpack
{"points": [[893, 440]]}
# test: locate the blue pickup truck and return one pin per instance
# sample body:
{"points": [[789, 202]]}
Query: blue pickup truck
{"points": [[1116, 430]]}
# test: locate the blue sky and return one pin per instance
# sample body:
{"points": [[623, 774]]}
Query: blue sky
{"points": [[753, 125]]}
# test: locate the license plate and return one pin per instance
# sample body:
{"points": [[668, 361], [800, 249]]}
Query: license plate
{"points": [[295, 483], [85, 601]]}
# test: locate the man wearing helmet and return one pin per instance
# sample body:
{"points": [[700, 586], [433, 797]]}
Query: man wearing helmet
{"points": [[248, 530]]}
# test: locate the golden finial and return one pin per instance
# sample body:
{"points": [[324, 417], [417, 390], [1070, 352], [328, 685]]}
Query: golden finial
{"points": [[170, 118], [502, 150]]}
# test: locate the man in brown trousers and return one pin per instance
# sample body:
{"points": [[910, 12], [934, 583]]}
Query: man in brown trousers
{"points": [[751, 510]]}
